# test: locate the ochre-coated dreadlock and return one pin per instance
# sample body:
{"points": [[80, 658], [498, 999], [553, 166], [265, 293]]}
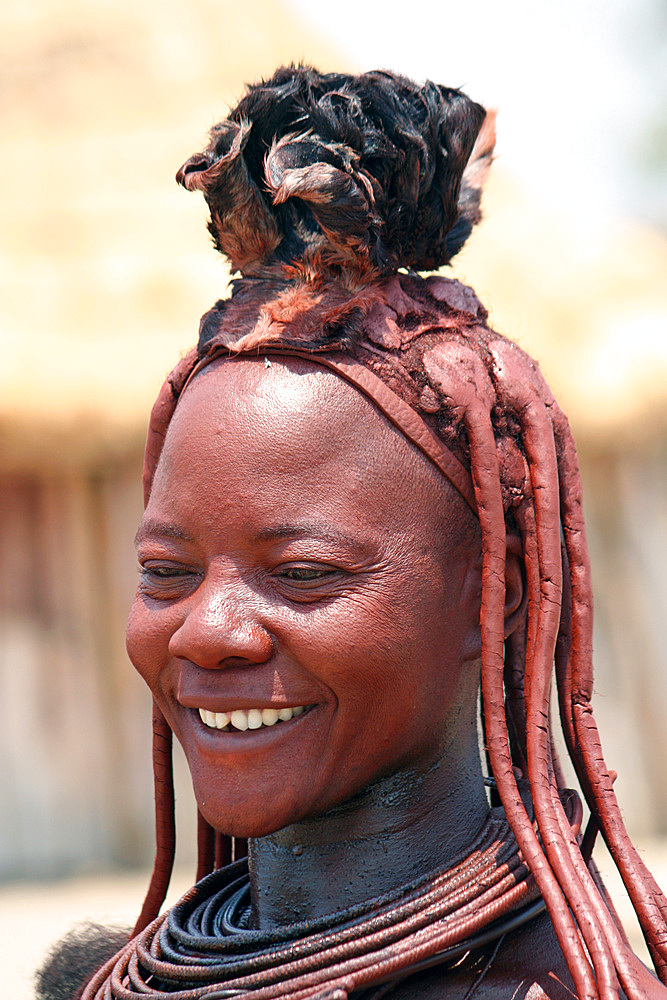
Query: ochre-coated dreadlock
{"points": [[320, 189]]}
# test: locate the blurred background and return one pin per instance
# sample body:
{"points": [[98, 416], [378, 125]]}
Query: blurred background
{"points": [[105, 268]]}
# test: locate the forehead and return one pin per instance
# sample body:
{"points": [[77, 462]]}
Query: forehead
{"points": [[289, 402], [287, 387], [261, 424]]}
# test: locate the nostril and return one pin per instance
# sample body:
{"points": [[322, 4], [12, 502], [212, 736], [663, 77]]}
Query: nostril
{"points": [[216, 645]]}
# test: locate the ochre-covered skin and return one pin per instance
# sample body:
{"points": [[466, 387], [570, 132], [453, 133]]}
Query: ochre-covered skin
{"points": [[364, 504], [253, 493]]}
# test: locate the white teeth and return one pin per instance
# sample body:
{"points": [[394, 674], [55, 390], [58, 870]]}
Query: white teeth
{"points": [[239, 720], [254, 718], [251, 718]]}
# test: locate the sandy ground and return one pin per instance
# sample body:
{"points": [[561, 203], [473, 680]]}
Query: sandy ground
{"points": [[35, 915]]}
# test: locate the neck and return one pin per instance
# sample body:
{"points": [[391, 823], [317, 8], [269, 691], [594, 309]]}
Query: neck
{"points": [[389, 834]]}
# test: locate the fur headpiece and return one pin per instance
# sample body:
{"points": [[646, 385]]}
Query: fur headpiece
{"points": [[368, 172], [329, 179]]}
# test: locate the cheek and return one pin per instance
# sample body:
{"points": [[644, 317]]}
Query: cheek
{"points": [[395, 660], [413, 664], [147, 639]]}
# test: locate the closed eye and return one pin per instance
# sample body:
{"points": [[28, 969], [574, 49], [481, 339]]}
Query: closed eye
{"points": [[167, 580], [163, 572], [302, 577], [305, 574]]}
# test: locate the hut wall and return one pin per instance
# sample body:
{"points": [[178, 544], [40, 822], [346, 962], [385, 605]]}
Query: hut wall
{"points": [[73, 717], [625, 497]]}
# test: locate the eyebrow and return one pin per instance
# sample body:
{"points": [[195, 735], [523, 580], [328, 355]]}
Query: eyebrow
{"points": [[312, 531], [164, 529]]}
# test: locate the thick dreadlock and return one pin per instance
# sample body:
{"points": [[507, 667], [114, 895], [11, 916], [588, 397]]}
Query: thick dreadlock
{"points": [[320, 188]]}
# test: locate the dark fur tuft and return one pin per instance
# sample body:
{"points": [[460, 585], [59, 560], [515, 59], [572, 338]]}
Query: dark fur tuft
{"points": [[364, 172], [73, 960]]}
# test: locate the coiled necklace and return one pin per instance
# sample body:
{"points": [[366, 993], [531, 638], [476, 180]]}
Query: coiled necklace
{"points": [[205, 948]]}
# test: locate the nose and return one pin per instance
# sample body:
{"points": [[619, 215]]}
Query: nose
{"points": [[221, 629]]}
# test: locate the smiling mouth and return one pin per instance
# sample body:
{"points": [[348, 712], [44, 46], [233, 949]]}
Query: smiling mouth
{"points": [[252, 718]]}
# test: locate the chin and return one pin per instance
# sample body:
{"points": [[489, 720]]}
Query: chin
{"points": [[240, 807], [245, 816]]}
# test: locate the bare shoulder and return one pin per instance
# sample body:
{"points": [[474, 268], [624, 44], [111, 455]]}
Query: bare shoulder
{"points": [[528, 965]]}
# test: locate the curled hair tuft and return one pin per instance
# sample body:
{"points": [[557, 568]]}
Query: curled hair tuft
{"points": [[364, 174]]}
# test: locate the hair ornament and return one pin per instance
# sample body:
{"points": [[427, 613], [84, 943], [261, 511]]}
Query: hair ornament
{"points": [[357, 176]]}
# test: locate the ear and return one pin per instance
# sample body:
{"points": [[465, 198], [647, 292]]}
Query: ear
{"points": [[516, 596]]}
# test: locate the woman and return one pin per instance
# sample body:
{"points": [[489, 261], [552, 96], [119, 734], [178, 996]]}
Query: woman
{"points": [[360, 503]]}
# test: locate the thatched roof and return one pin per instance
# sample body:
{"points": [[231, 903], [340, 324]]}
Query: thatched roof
{"points": [[105, 265]]}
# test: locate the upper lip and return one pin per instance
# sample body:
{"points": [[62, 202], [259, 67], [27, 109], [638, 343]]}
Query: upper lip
{"points": [[210, 690], [232, 704]]}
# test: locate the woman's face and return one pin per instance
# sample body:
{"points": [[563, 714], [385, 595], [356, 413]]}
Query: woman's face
{"points": [[301, 558]]}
